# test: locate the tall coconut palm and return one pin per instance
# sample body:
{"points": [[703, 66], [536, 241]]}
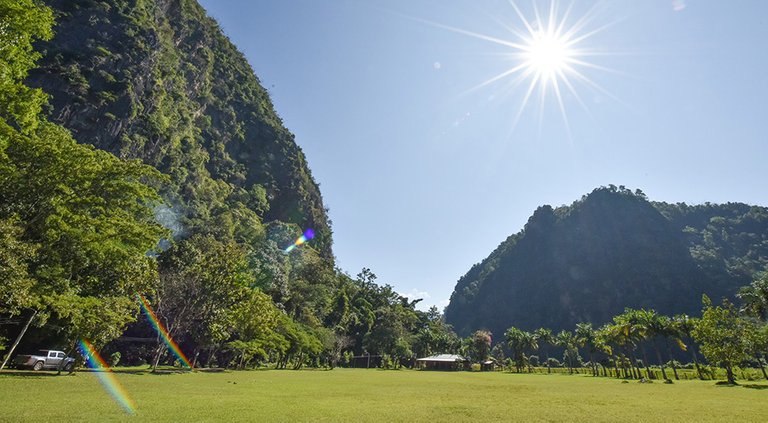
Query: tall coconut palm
{"points": [[612, 339], [684, 326], [567, 340], [630, 334], [653, 326], [587, 338], [520, 341], [605, 344], [671, 331], [544, 337]]}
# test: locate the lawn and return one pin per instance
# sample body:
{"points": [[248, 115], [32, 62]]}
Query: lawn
{"points": [[374, 395]]}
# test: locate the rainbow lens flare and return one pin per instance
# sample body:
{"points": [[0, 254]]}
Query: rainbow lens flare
{"points": [[308, 234], [106, 377], [162, 331]]}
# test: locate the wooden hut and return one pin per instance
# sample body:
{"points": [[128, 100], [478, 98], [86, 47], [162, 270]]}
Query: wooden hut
{"points": [[488, 365]]}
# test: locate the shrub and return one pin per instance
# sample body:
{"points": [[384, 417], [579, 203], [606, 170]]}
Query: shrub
{"points": [[114, 358]]}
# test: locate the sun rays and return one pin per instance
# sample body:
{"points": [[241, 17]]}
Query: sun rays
{"points": [[550, 56]]}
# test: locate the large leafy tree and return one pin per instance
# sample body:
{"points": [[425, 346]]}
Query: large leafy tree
{"points": [[724, 336], [480, 346], [204, 289], [80, 221]]}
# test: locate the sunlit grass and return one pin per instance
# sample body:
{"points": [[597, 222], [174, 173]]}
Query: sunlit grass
{"points": [[375, 395]]}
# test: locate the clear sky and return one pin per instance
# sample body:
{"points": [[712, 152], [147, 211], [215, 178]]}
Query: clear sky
{"points": [[425, 173]]}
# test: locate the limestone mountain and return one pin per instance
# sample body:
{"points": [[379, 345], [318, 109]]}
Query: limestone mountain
{"points": [[612, 249], [159, 81]]}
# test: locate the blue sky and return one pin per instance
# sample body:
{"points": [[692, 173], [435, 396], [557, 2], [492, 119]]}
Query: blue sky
{"points": [[425, 176]]}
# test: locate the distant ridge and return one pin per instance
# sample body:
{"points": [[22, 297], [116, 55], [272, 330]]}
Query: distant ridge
{"points": [[612, 249]]}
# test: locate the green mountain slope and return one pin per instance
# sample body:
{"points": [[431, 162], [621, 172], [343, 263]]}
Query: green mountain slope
{"points": [[159, 81], [612, 249]]}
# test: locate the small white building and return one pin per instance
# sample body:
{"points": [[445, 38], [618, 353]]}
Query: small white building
{"points": [[443, 362]]}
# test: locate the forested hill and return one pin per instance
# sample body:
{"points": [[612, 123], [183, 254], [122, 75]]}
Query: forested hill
{"points": [[612, 249], [159, 81]]}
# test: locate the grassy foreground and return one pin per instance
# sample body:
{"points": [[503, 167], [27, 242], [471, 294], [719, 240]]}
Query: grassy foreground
{"points": [[374, 395]]}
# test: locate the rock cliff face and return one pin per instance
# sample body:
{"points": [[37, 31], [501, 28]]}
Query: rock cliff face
{"points": [[159, 81], [612, 249]]}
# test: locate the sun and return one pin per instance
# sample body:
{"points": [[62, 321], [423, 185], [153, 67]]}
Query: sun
{"points": [[547, 54], [550, 55]]}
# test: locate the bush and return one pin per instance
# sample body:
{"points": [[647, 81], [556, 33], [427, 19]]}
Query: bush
{"points": [[534, 360], [114, 358]]}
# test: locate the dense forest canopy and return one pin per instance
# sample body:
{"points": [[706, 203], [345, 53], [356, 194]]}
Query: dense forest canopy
{"points": [[611, 249]]}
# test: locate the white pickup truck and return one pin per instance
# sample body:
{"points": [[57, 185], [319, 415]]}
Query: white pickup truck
{"points": [[48, 360]]}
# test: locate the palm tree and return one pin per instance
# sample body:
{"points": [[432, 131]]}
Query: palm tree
{"points": [[603, 340], [586, 337], [755, 298], [671, 330], [515, 340], [544, 337], [629, 334], [653, 326], [566, 340], [519, 341], [684, 326]]}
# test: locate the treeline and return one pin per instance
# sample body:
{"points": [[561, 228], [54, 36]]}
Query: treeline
{"points": [[727, 336]]}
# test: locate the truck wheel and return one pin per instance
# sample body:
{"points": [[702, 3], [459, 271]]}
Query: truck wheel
{"points": [[38, 366], [68, 367]]}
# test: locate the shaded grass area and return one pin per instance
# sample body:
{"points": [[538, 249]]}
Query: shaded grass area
{"points": [[374, 395]]}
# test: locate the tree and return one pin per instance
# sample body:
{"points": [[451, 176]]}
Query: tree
{"points": [[758, 343], [568, 341], [587, 337], [684, 326], [17, 289], [203, 283], [629, 333], [652, 326], [755, 298], [520, 341], [723, 335], [611, 336], [81, 220], [481, 346], [22, 22], [544, 337], [254, 321]]}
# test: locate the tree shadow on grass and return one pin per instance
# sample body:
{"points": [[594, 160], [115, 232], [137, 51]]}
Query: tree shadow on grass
{"points": [[726, 384], [27, 374], [755, 386]]}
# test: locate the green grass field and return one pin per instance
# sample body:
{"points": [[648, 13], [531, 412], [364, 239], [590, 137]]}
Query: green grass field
{"points": [[374, 395]]}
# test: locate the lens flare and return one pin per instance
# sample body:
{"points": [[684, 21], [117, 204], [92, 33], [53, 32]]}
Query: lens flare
{"points": [[162, 331], [308, 234], [106, 377]]}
